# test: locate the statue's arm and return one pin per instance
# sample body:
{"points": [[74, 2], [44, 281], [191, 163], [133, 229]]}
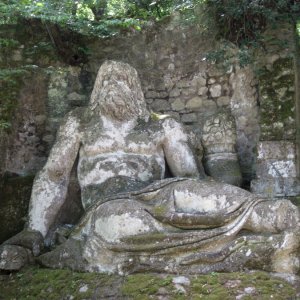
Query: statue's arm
{"points": [[178, 153], [51, 183]]}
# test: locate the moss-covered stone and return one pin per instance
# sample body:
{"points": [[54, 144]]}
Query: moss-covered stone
{"points": [[277, 101], [10, 80], [37, 283]]}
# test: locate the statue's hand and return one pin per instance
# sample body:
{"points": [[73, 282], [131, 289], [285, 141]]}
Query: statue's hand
{"points": [[19, 250], [29, 239]]}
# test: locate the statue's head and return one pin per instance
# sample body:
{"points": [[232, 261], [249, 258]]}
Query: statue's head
{"points": [[117, 92]]}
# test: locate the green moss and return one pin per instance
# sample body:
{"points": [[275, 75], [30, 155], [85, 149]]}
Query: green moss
{"points": [[295, 200], [141, 286], [10, 86], [282, 64], [277, 101], [228, 285], [37, 283], [8, 44], [160, 210]]}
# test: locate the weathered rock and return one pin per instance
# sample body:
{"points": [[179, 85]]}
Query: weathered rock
{"points": [[189, 118], [276, 169], [203, 91], [160, 105], [29, 239], [211, 81], [13, 258], [174, 93], [199, 81], [194, 103], [215, 90], [178, 105]]}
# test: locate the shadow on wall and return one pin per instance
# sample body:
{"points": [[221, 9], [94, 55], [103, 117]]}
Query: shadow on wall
{"points": [[14, 194]]}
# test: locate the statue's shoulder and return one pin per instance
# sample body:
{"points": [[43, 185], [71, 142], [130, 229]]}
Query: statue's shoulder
{"points": [[76, 115], [73, 119]]}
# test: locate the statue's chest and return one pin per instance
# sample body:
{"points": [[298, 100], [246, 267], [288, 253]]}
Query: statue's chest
{"points": [[138, 142]]}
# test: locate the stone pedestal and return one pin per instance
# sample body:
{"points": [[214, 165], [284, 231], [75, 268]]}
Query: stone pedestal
{"points": [[219, 142], [276, 170]]}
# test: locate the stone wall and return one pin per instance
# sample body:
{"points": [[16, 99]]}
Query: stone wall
{"points": [[277, 160]]}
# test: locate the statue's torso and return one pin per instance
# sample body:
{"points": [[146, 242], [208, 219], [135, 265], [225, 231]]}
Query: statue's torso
{"points": [[112, 152]]}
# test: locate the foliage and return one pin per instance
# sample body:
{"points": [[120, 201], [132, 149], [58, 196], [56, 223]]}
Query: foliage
{"points": [[91, 17], [239, 21], [242, 21]]}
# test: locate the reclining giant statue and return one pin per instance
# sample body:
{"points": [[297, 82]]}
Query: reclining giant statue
{"points": [[136, 219]]}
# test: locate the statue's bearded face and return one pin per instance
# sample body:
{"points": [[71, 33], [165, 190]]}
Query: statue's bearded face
{"points": [[117, 92]]}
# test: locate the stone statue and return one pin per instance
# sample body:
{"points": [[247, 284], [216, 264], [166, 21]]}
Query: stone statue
{"points": [[137, 220]]}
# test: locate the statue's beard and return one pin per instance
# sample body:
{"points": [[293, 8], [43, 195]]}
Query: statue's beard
{"points": [[115, 109], [118, 104]]}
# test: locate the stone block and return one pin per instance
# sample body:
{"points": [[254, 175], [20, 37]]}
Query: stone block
{"points": [[199, 81], [276, 169], [211, 80], [275, 150], [160, 105], [163, 95], [184, 84], [151, 94], [209, 106], [194, 103], [189, 118], [203, 91], [223, 101], [189, 91], [215, 90], [171, 67], [276, 187], [178, 105], [174, 93]]}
